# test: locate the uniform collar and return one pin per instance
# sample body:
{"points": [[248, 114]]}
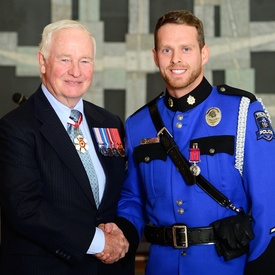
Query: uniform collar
{"points": [[191, 100]]}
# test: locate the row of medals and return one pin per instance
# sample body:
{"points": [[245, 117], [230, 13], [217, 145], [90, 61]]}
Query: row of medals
{"points": [[108, 139], [109, 142]]}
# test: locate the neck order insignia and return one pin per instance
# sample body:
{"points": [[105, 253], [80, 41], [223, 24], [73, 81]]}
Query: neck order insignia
{"points": [[81, 144]]}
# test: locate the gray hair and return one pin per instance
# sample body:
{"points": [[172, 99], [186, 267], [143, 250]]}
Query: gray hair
{"points": [[52, 28]]}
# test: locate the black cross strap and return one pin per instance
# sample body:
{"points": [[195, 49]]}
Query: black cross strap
{"points": [[182, 164]]}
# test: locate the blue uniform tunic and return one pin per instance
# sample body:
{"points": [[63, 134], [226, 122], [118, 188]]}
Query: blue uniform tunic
{"points": [[154, 191]]}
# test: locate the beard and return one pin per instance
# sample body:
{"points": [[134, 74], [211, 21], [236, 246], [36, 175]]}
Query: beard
{"points": [[181, 82]]}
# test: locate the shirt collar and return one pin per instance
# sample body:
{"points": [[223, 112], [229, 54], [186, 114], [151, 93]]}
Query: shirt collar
{"points": [[62, 111]]}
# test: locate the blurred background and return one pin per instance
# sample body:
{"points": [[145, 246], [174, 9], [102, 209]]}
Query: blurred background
{"points": [[240, 34]]}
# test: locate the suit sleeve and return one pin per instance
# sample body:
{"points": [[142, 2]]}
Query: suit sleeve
{"points": [[26, 200]]}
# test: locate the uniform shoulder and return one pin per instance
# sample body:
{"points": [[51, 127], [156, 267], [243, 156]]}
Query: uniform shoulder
{"points": [[228, 90]]}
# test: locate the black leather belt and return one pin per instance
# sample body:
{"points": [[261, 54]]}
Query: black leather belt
{"points": [[179, 235]]}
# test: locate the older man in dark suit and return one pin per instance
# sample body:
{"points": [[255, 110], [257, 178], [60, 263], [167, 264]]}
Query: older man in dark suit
{"points": [[52, 210]]}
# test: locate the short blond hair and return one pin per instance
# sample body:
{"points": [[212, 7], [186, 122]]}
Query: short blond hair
{"points": [[183, 17]]}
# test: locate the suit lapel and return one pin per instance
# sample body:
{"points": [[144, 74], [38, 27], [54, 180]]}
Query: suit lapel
{"points": [[54, 132]]}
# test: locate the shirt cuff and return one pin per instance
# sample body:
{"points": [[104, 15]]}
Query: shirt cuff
{"points": [[98, 242]]}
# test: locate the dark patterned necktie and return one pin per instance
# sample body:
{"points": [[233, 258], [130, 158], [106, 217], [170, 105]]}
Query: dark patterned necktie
{"points": [[82, 149]]}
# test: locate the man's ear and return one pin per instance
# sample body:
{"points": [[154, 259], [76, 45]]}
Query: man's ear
{"points": [[205, 52], [41, 61], [155, 57]]}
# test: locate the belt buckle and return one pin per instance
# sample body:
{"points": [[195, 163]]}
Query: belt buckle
{"points": [[184, 240]]}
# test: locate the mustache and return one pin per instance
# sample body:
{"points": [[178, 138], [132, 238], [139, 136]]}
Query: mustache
{"points": [[176, 67]]}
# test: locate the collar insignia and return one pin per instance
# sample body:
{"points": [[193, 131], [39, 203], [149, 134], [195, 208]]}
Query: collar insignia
{"points": [[191, 100], [170, 102]]}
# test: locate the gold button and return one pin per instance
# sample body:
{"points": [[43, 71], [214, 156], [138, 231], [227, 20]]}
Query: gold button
{"points": [[147, 159], [183, 253], [180, 211], [178, 124], [212, 151], [179, 202], [180, 117]]}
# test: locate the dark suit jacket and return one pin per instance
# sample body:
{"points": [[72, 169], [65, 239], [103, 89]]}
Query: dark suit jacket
{"points": [[48, 211]]}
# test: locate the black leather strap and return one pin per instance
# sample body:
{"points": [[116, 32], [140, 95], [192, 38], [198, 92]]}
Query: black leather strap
{"points": [[181, 163], [173, 151], [179, 236]]}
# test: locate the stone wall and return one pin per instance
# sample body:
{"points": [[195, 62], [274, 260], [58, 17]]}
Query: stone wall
{"points": [[240, 35]]}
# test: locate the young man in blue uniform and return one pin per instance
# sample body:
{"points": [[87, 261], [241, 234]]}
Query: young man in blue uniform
{"points": [[226, 136]]}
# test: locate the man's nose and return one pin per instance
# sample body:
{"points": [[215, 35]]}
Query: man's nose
{"points": [[74, 69], [176, 57]]}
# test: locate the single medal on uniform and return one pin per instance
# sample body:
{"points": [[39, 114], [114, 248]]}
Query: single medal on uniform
{"points": [[194, 158]]}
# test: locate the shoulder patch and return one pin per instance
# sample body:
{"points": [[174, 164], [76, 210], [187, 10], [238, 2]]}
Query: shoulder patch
{"points": [[150, 102], [265, 130], [228, 90]]}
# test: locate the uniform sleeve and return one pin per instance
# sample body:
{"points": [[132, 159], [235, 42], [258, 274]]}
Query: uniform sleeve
{"points": [[132, 202], [259, 181]]}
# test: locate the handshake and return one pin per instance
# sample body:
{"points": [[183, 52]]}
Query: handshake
{"points": [[116, 245]]}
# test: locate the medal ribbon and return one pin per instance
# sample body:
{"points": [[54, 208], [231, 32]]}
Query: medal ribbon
{"points": [[116, 137], [194, 153], [104, 137], [98, 136], [75, 124], [117, 141], [110, 137]]}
